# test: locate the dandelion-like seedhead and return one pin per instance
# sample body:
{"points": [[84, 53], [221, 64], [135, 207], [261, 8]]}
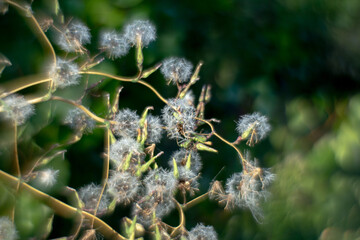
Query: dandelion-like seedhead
{"points": [[114, 44], [121, 148], [127, 123], [90, 195], [7, 229], [47, 177], [201, 232], [79, 121], [178, 117], [160, 182], [16, 108], [73, 37], [182, 157], [176, 70], [64, 73], [253, 126], [124, 187], [154, 129], [142, 29]]}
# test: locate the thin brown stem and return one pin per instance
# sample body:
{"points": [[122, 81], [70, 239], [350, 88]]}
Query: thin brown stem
{"points": [[37, 27], [60, 208], [105, 169], [243, 160], [181, 225], [194, 201], [128, 79], [16, 85]]}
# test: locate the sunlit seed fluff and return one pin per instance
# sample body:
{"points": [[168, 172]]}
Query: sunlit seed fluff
{"points": [[143, 29], [127, 123], [182, 156], [90, 195], [255, 121], [160, 182], [79, 121], [180, 122], [123, 186], [154, 129], [201, 232], [47, 177], [73, 37], [16, 108], [114, 44], [176, 69], [7, 229], [121, 148], [64, 73]]}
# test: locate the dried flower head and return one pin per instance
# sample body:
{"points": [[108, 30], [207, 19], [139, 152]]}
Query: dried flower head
{"points": [[142, 29], [186, 159], [64, 73], [160, 182], [90, 195], [154, 129], [123, 186], [121, 149], [201, 232], [127, 123], [178, 117], [73, 37], [254, 126], [176, 70], [79, 121], [7, 229], [114, 44], [16, 108], [248, 189]]}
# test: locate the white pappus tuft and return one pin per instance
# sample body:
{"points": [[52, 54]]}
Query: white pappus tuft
{"points": [[73, 37], [127, 123], [90, 194], [142, 29], [178, 117], [176, 70], [201, 232], [253, 126], [114, 44], [64, 73], [123, 186], [16, 108], [154, 129], [121, 148], [182, 156], [47, 177], [7, 229]]}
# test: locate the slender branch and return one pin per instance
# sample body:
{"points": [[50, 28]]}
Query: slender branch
{"points": [[243, 160], [37, 28], [195, 201], [60, 208], [127, 79], [181, 225], [17, 167], [105, 169], [16, 85]]}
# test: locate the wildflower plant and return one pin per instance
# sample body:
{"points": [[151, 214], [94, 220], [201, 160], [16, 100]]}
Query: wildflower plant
{"points": [[133, 176]]}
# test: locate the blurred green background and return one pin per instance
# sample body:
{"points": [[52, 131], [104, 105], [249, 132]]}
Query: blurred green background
{"points": [[296, 61]]}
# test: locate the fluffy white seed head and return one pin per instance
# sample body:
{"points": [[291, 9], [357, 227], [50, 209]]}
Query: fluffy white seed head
{"points": [[160, 182], [182, 156], [7, 229], [64, 73], [79, 121], [127, 123], [253, 126], [179, 123], [124, 187], [121, 148], [47, 177], [16, 108], [201, 232], [114, 44], [176, 70], [142, 29], [90, 194], [73, 37], [154, 128]]}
